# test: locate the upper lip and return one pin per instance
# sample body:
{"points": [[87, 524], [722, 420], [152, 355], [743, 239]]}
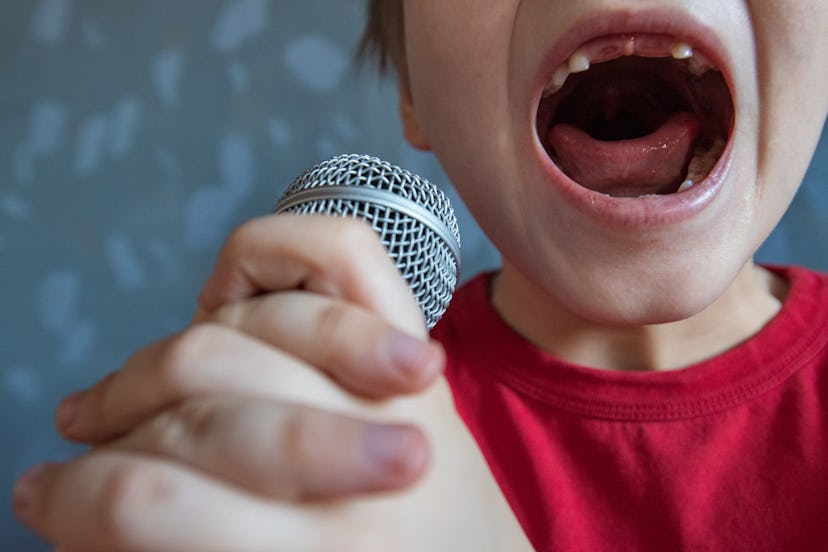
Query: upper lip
{"points": [[672, 22]]}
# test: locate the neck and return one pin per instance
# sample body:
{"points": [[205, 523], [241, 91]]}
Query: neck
{"points": [[750, 302]]}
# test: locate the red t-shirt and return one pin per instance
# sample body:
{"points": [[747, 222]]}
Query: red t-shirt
{"points": [[729, 454]]}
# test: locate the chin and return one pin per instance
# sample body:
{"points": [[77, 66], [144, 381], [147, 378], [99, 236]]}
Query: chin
{"points": [[658, 295], [646, 307]]}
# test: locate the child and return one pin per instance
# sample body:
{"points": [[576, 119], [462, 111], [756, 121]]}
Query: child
{"points": [[633, 380]]}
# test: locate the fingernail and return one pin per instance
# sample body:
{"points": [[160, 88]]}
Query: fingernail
{"points": [[68, 410], [395, 451], [26, 491], [411, 355]]}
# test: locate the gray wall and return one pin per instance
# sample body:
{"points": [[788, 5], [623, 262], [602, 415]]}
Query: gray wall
{"points": [[135, 135]]}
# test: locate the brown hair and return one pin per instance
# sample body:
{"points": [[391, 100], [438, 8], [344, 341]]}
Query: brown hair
{"points": [[383, 38]]}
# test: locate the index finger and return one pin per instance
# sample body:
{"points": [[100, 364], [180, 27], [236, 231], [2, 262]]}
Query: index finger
{"points": [[334, 256]]}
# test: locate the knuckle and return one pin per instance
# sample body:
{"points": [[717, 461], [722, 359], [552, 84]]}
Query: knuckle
{"points": [[365, 533], [195, 421], [294, 437], [355, 234], [103, 390], [353, 239], [333, 319], [164, 432], [358, 243], [239, 237], [176, 430], [128, 491], [180, 358], [347, 335], [296, 441]]}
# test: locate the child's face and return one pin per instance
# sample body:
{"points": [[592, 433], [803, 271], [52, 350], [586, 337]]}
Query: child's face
{"points": [[622, 246]]}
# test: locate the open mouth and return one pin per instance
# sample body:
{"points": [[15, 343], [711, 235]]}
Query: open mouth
{"points": [[632, 115]]}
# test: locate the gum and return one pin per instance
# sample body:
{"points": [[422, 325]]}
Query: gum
{"points": [[611, 47], [607, 48]]}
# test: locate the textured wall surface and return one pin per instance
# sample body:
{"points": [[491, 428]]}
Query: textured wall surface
{"points": [[135, 135]]}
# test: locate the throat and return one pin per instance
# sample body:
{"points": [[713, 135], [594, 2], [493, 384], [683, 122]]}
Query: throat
{"points": [[754, 298]]}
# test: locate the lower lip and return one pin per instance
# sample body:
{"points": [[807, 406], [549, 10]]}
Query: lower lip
{"points": [[649, 211]]}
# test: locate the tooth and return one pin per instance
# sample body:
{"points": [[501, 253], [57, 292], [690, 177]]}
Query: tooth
{"points": [[558, 80], [682, 50], [560, 76], [686, 185], [704, 159], [629, 46], [700, 65], [578, 63]]}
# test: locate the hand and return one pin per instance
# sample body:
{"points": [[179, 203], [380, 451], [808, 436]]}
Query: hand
{"points": [[224, 433]]}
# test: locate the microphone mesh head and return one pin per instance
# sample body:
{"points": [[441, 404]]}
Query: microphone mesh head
{"points": [[413, 218]]}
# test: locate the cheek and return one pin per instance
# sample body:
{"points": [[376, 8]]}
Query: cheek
{"points": [[457, 59], [461, 99], [792, 76]]}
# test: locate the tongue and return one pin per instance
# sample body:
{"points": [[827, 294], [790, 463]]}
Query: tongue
{"points": [[653, 164]]}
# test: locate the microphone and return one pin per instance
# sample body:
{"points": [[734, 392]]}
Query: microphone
{"points": [[413, 218]]}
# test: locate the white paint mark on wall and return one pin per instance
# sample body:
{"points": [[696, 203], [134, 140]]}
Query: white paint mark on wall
{"points": [[48, 128], [21, 383], [123, 126], [50, 21], [346, 128], [208, 216], [167, 70], [279, 132], [113, 134], [92, 33], [317, 62], [165, 256], [57, 299], [239, 77], [238, 22], [209, 212], [46, 135], [236, 164], [78, 342], [23, 165], [170, 167], [14, 207], [123, 261], [326, 147], [90, 145]]}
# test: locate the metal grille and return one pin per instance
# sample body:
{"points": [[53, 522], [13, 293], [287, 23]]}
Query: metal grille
{"points": [[413, 218]]}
